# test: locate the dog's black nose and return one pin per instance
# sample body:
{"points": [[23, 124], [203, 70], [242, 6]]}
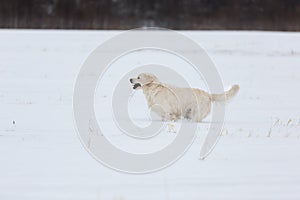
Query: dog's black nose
{"points": [[130, 80]]}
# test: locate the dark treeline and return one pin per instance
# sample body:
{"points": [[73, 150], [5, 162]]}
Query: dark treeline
{"points": [[281, 15]]}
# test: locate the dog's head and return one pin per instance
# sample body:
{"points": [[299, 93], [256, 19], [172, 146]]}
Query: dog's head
{"points": [[142, 79]]}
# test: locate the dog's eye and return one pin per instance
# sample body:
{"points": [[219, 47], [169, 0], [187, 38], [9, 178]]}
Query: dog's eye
{"points": [[138, 77]]}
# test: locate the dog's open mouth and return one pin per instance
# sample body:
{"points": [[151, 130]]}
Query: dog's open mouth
{"points": [[137, 85]]}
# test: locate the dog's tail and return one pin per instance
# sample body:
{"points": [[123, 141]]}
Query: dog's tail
{"points": [[227, 95]]}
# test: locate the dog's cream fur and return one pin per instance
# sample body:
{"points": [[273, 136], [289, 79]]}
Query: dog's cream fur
{"points": [[172, 103]]}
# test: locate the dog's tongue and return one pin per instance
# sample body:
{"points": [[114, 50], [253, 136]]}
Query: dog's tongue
{"points": [[136, 86]]}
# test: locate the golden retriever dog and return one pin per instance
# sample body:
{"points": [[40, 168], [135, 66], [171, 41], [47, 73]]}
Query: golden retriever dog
{"points": [[172, 103]]}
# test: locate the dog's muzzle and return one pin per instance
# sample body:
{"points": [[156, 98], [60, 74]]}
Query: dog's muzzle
{"points": [[136, 85]]}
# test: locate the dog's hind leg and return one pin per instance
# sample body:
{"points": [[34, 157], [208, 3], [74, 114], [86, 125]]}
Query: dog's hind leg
{"points": [[188, 114]]}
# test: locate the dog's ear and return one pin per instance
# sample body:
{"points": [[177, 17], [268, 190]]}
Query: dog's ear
{"points": [[152, 78]]}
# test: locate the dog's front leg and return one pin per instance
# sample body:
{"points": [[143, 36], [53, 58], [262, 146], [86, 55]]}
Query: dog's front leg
{"points": [[169, 117], [165, 117]]}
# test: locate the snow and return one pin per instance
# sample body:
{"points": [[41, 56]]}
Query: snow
{"points": [[41, 156]]}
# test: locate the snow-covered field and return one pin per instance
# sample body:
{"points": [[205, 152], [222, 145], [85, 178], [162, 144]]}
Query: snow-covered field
{"points": [[257, 157]]}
